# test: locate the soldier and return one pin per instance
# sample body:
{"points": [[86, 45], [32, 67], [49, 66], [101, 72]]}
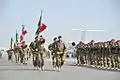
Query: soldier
{"points": [[78, 52], [10, 53], [82, 54], [115, 56], [86, 53], [52, 48], [118, 50], [91, 52], [24, 48], [40, 49], [105, 54], [61, 48], [16, 52], [95, 54], [32, 47], [35, 53]]}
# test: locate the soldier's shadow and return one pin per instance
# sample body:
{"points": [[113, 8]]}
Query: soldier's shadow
{"points": [[25, 69], [103, 69], [10, 69], [51, 70]]}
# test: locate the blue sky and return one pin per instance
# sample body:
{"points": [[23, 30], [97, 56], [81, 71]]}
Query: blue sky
{"points": [[60, 16]]}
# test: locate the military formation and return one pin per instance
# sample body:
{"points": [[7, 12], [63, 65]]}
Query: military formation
{"points": [[95, 54], [36, 51], [100, 54]]}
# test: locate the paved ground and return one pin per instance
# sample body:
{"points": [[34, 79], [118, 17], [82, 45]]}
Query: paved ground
{"points": [[13, 71]]}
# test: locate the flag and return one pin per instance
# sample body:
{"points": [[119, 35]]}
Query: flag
{"points": [[21, 38], [23, 42], [11, 42], [17, 37], [24, 31], [39, 24], [42, 27]]}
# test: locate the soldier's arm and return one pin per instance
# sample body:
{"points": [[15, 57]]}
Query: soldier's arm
{"points": [[49, 47], [64, 46]]}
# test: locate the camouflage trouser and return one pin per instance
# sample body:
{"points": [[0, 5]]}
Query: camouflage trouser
{"points": [[40, 57], [89, 59], [85, 58], [16, 56], [104, 60], [62, 56], [25, 56], [82, 58], [33, 56], [10, 56], [53, 59], [78, 58], [116, 61]]}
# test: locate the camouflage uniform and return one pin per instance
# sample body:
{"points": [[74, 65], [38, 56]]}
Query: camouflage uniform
{"points": [[16, 53], [52, 48], [10, 53], [40, 47], [79, 50], [24, 48], [61, 48], [33, 49]]}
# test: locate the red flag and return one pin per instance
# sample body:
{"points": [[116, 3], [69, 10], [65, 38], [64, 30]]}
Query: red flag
{"points": [[43, 27], [21, 38], [24, 32], [23, 42]]}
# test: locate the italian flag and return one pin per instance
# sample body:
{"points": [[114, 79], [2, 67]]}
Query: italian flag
{"points": [[41, 27], [24, 32]]}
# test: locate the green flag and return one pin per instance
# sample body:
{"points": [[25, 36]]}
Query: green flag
{"points": [[11, 42], [39, 24], [17, 37]]}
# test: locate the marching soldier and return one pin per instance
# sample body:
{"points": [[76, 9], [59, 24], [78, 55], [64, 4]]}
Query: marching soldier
{"points": [[78, 51], [40, 47], [52, 48], [10, 53], [24, 48], [61, 48]]}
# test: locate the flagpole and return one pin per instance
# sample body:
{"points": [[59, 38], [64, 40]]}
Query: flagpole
{"points": [[11, 42], [23, 26], [40, 24]]}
